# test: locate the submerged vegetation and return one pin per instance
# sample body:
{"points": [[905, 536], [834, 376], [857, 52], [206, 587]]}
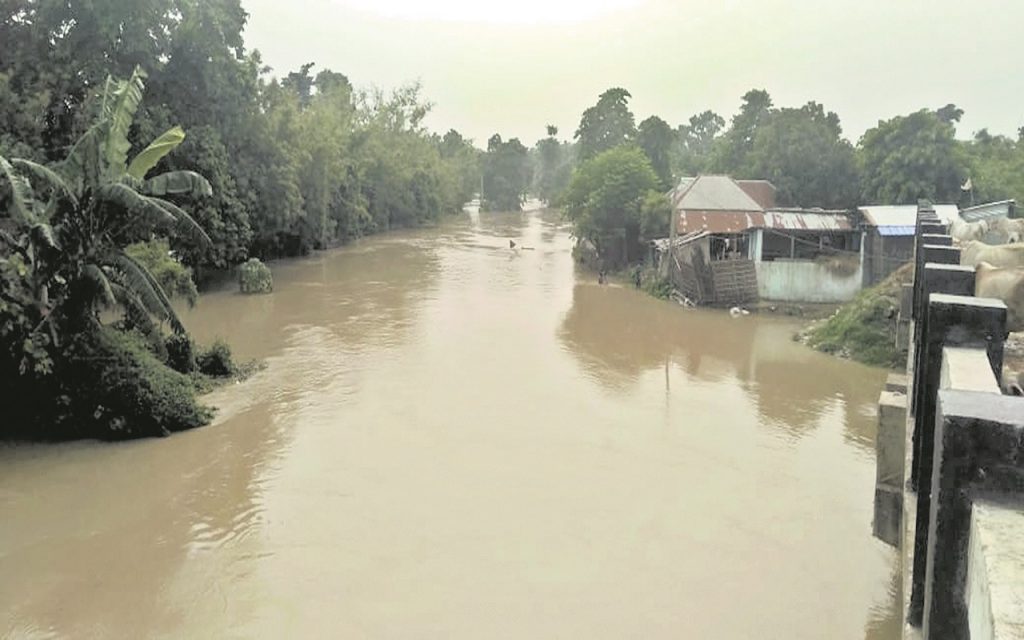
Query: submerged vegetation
{"points": [[255, 277]]}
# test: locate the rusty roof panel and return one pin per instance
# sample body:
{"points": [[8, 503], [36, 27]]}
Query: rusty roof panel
{"points": [[740, 221], [718, 221], [808, 220]]}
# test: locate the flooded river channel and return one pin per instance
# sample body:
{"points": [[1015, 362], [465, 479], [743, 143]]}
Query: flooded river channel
{"points": [[455, 440]]}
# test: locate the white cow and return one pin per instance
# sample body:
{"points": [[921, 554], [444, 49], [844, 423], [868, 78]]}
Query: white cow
{"points": [[999, 255], [964, 231], [1006, 284], [1008, 231]]}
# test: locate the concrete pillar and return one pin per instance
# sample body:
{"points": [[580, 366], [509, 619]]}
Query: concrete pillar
{"points": [[925, 253], [946, 277], [889, 457], [951, 321], [979, 451]]}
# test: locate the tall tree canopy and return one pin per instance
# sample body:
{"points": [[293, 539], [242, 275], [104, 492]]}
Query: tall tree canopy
{"points": [[604, 200], [911, 157], [552, 163], [802, 152], [506, 174], [695, 141], [732, 149], [607, 124], [657, 138]]}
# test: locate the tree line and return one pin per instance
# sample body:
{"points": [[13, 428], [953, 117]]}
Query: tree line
{"points": [[296, 163], [141, 141]]}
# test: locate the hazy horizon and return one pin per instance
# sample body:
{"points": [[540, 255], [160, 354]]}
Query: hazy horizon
{"points": [[514, 68]]}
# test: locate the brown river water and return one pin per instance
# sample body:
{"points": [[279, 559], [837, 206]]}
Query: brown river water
{"points": [[455, 440]]}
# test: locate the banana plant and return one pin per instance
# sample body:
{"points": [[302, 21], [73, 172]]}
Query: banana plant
{"points": [[76, 218]]}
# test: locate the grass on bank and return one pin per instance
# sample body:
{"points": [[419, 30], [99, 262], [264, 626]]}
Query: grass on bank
{"points": [[862, 329]]}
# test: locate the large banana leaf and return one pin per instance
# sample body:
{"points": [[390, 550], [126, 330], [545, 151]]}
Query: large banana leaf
{"points": [[140, 281], [42, 234], [83, 165], [47, 175], [120, 102], [24, 202], [177, 183], [100, 282], [127, 198], [185, 221], [156, 150]]}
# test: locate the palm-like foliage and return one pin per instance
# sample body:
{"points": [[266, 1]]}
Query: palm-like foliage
{"points": [[75, 219]]}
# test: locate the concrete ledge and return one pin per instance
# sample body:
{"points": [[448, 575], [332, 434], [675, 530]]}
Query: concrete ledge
{"points": [[995, 571], [967, 370], [896, 383]]}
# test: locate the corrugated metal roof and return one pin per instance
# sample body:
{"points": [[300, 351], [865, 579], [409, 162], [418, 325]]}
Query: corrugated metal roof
{"points": [[740, 221], [988, 211], [807, 220], [713, 193], [661, 244], [902, 215], [717, 221], [897, 230]]}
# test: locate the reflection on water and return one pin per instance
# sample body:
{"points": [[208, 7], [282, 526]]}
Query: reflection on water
{"points": [[619, 337], [455, 439]]}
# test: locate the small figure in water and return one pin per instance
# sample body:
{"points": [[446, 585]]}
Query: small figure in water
{"points": [[601, 277], [637, 277]]}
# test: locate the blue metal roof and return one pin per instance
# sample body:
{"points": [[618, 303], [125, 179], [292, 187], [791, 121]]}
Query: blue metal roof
{"points": [[897, 230]]}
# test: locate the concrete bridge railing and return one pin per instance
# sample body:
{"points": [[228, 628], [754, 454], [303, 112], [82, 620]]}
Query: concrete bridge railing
{"points": [[950, 477]]}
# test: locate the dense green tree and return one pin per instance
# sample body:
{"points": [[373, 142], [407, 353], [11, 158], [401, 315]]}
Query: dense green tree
{"points": [[657, 138], [911, 157], [996, 166], [802, 152], [606, 195], [506, 174], [553, 166], [606, 125], [462, 168], [655, 216], [694, 142], [732, 148]]}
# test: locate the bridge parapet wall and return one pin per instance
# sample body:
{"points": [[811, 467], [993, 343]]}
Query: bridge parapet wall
{"points": [[950, 454]]}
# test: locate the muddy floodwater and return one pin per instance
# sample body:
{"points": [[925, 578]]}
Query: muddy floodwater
{"points": [[452, 439]]}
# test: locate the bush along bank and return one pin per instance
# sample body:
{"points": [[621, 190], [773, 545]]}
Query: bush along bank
{"points": [[862, 330]]}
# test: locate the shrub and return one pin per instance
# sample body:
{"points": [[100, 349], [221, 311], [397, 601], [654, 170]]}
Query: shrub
{"points": [[181, 353], [216, 361], [174, 277], [118, 389], [861, 329], [657, 286], [255, 277]]}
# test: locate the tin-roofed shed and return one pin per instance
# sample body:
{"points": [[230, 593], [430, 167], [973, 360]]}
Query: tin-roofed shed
{"points": [[889, 236]]}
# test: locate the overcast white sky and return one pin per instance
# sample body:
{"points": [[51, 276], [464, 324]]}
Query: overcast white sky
{"points": [[514, 66]]}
